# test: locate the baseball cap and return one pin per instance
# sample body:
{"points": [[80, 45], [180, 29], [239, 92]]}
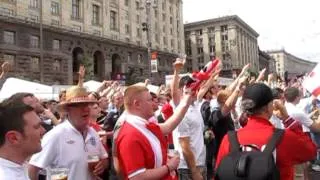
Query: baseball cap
{"points": [[256, 96]]}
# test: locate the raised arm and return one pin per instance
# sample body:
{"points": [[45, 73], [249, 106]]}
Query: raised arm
{"points": [[234, 84], [82, 73], [177, 66]]}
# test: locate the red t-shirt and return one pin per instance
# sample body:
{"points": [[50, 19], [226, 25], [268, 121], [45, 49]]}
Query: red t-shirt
{"points": [[134, 151], [294, 148]]}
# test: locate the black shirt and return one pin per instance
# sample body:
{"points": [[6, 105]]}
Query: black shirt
{"points": [[221, 126]]}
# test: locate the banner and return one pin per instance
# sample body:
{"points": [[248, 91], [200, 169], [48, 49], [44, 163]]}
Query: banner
{"points": [[312, 83], [154, 65]]}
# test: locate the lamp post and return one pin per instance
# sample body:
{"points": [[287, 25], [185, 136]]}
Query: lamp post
{"points": [[146, 26], [41, 45]]}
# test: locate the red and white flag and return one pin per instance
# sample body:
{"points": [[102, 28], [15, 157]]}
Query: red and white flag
{"points": [[312, 82]]}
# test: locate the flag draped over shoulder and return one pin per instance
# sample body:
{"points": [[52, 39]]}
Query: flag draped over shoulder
{"points": [[312, 81]]}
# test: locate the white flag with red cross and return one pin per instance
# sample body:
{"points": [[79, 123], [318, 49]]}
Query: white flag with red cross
{"points": [[312, 82]]}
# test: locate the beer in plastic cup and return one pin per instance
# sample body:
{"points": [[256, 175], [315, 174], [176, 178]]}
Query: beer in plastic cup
{"points": [[57, 173], [93, 160]]}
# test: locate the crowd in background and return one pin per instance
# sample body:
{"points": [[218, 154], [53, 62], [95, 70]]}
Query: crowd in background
{"points": [[174, 133]]}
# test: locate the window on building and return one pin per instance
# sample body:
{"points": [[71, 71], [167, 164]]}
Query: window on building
{"points": [[34, 41], [199, 41], [212, 40], [200, 60], [224, 28], [95, 14], [157, 38], [171, 20], [188, 43], [129, 56], [164, 29], [199, 32], [171, 31], [212, 49], [138, 18], [189, 51], [210, 29], [171, 9], [11, 59], [172, 43], [113, 20], [55, 9], [56, 43], [200, 50], [9, 37], [34, 3], [126, 2], [57, 65], [163, 5], [126, 15], [156, 13], [139, 59], [35, 61], [163, 17], [224, 37], [138, 32], [137, 5], [165, 41], [127, 28], [76, 9]]}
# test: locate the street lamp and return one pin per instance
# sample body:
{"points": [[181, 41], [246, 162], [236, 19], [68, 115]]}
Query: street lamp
{"points": [[41, 45], [146, 26]]}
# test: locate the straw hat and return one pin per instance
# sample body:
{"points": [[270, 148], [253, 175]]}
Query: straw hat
{"points": [[75, 95]]}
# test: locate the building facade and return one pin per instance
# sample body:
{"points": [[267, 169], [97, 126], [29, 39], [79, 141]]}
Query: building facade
{"points": [[228, 38], [286, 62], [106, 34], [266, 61]]}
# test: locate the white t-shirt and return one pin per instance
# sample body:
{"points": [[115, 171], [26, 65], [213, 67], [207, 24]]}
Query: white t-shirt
{"points": [[191, 126], [276, 122], [298, 115], [12, 171], [64, 147]]}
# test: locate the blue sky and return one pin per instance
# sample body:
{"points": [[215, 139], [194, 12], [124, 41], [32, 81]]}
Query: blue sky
{"points": [[293, 25]]}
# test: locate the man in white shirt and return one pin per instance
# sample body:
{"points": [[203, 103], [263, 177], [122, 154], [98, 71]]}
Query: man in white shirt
{"points": [[70, 144], [293, 96], [20, 134]]}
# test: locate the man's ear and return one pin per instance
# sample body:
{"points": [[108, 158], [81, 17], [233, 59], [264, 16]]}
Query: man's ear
{"points": [[13, 137], [136, 103]]}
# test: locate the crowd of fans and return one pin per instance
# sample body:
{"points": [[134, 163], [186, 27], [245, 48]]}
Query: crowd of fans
{"points": [[175, 133]]}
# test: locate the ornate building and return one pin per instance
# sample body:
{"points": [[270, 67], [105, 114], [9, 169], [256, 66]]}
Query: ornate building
{"points": [[286, 62], [266, 61], [229, 38], [106, 34]]}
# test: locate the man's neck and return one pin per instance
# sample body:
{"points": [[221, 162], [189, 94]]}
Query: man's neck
{"points": [[12, 155]]}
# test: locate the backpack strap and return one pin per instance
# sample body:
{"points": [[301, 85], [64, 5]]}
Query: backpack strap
{"points": [[234, 142], [275, 139]]}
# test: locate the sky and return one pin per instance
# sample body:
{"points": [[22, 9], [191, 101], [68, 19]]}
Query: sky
{"points": [[290, 24]]}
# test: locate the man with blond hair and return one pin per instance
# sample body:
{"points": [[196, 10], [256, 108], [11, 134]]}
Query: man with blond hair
{"points": [[139, 138]]}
